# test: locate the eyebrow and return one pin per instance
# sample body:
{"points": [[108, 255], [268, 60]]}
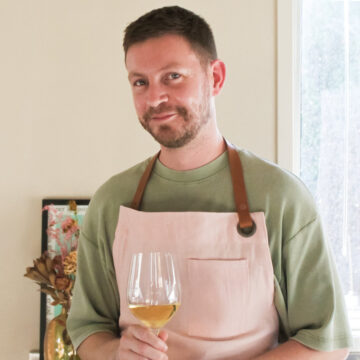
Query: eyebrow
{"points": [[136, 74]]}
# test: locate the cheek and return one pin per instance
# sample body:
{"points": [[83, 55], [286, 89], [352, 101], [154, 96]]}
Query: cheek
{"points": [[186, 96], [139, 104], [192, 94]]}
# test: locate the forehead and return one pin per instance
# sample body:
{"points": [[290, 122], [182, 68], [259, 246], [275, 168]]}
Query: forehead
{"points": [[156, 53]]}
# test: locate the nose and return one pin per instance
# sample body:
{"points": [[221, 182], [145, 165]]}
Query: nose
{"points": [[156, 95]]}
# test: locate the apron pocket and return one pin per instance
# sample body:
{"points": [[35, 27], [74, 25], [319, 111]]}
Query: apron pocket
{"points": [[216, 298]]}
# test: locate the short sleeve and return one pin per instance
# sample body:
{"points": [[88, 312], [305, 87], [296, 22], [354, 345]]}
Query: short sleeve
{"points": [[95, 304], [316, 309]]}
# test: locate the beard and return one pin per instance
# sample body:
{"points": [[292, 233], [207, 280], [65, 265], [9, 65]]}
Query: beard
{"points": [[177, 134]]}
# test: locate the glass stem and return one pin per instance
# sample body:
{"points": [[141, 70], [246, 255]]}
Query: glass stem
{"points": [[156, 331]]}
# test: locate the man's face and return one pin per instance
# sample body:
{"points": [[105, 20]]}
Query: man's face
{"points": [[171, 89]]}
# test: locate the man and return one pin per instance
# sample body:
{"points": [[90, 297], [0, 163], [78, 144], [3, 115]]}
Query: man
{"points": [[255, 267]]}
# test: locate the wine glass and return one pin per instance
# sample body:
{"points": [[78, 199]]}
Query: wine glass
{"points": [[153, 291]]}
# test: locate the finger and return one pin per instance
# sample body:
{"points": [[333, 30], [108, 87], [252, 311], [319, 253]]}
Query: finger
{"points": [[163, 335], [146, 351], [145, 335], [130, 344]]}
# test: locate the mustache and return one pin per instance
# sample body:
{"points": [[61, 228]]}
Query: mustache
{"points": [[164, 108]]}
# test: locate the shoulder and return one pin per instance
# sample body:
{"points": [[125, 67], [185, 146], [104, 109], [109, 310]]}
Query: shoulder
{"points": [[272, 177], [116, 191], [280, 193], [122, 186]]}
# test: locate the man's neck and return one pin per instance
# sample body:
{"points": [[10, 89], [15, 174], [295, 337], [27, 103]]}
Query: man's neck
{"points": [[197, 153]]}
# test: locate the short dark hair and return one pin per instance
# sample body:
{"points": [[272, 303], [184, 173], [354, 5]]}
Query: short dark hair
{"points": [[173, 20]]}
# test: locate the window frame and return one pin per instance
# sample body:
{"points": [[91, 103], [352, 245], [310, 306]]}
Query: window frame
{"points": [[289, 92], [288, 84]]}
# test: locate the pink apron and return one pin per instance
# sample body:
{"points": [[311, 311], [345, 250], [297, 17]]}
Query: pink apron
{"points": [[227, 282]]}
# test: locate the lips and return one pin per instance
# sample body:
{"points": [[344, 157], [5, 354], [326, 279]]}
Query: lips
{"points": [[163, 117]]}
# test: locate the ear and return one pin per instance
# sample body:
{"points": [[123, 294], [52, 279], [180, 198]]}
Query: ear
{"points": [[218, 76]]}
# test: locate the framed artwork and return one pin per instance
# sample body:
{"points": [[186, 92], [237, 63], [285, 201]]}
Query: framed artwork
{"points": [[56, 214]]}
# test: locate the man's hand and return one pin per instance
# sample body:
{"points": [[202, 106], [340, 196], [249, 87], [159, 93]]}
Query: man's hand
{"points": [[137, 343]]}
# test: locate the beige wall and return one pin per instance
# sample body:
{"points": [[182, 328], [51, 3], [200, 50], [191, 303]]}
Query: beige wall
{"points": [[67, 121]]}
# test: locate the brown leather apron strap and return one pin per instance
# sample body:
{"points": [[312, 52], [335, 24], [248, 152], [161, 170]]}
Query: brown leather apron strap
{"points": [[143, 182], [246, 225]]}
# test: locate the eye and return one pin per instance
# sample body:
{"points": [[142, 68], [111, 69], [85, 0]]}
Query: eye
{"points": [[173, 76], [139, 82]]}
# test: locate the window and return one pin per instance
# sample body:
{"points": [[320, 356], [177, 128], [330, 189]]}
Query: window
{"points": [[324, 85]]}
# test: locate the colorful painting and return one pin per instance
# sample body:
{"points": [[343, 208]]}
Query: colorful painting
{"points": [[61, 222]]}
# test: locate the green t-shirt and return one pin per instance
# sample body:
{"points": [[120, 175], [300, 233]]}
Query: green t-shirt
{"points": [[308, 294]]}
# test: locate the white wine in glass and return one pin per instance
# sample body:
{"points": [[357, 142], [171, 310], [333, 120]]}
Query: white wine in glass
{"points": [[153, 289]]}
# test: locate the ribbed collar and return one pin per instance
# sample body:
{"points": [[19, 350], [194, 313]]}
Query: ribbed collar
{"points": [[197, 174]]}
